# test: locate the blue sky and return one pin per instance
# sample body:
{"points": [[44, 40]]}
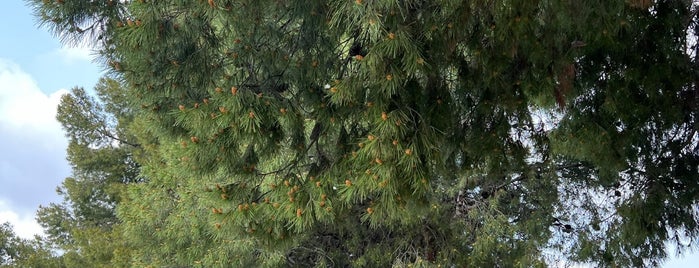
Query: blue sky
{"points": [[35, 70]]}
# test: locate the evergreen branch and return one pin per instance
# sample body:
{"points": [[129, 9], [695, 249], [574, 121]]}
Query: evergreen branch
{"points": [[570, 166], [109, 135], [509, 182], [101, 125], [313, 141]]}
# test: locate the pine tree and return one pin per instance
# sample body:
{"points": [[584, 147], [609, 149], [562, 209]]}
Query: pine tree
{"points": [[19, 252], [103, 155], [376, 133]]}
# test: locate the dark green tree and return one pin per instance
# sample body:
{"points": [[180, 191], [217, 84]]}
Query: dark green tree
{"points": [[18, 252], [102, 154], [376, 132]]}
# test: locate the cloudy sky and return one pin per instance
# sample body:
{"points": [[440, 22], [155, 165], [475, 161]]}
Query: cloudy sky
{"points": [[35, 70]]}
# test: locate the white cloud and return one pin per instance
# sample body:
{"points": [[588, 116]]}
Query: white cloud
{"points": [[23, 106], [34, 148], [73, 54], [24, 226]]}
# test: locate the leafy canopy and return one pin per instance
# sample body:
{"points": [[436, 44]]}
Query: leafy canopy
{"points": [[376, 133]]}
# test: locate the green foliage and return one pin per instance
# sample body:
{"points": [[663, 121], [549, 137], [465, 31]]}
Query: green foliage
{"points": [[18, 252], [102, 153], [377, 133]]}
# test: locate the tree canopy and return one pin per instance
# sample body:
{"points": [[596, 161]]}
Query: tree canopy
{"points": [[83, 230], [18, 252], [380, 132]]}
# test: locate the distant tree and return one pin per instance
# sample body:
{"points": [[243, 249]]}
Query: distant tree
{"points": [[376, 133], [18, 252], [102, 154]]}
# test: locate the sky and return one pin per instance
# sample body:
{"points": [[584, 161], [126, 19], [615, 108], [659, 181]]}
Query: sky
{"points": [[35, 71]]}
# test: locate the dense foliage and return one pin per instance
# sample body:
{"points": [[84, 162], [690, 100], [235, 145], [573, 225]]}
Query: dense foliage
{"points": [[15, 251], [84, 228], [377, 133]]}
